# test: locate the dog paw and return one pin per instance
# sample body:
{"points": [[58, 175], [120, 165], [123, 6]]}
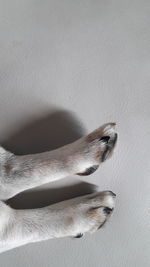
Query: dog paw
{"points": [[93, 212], [95, 148]]}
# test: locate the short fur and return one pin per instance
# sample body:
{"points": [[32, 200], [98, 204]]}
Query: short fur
{"points": [[73, 217]]}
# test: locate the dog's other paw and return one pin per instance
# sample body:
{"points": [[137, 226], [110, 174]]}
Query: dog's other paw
{"points": [[93, 212]]}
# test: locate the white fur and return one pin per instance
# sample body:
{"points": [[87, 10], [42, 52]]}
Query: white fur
{"points": [[67, 218]]}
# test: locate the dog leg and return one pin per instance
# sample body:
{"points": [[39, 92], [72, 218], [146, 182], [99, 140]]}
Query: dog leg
{"points": [[82, 157], [73, 218]]}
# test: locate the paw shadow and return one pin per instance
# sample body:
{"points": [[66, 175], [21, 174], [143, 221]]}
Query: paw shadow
{"points": [[41, 198], [49, 132]]}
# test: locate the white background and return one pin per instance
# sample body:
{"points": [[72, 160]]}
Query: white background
{"points": [[66, 67]]}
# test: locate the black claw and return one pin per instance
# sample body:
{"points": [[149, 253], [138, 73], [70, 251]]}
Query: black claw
{"points": [[105, 139], [89, 170], [112, 193], [114, 140], [79, 235], [105, 153], [107, 210], [101, 225], [109, 147]]}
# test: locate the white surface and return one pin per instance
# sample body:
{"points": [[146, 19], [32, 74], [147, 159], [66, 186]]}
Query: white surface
{"points": [[91, 58]]}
